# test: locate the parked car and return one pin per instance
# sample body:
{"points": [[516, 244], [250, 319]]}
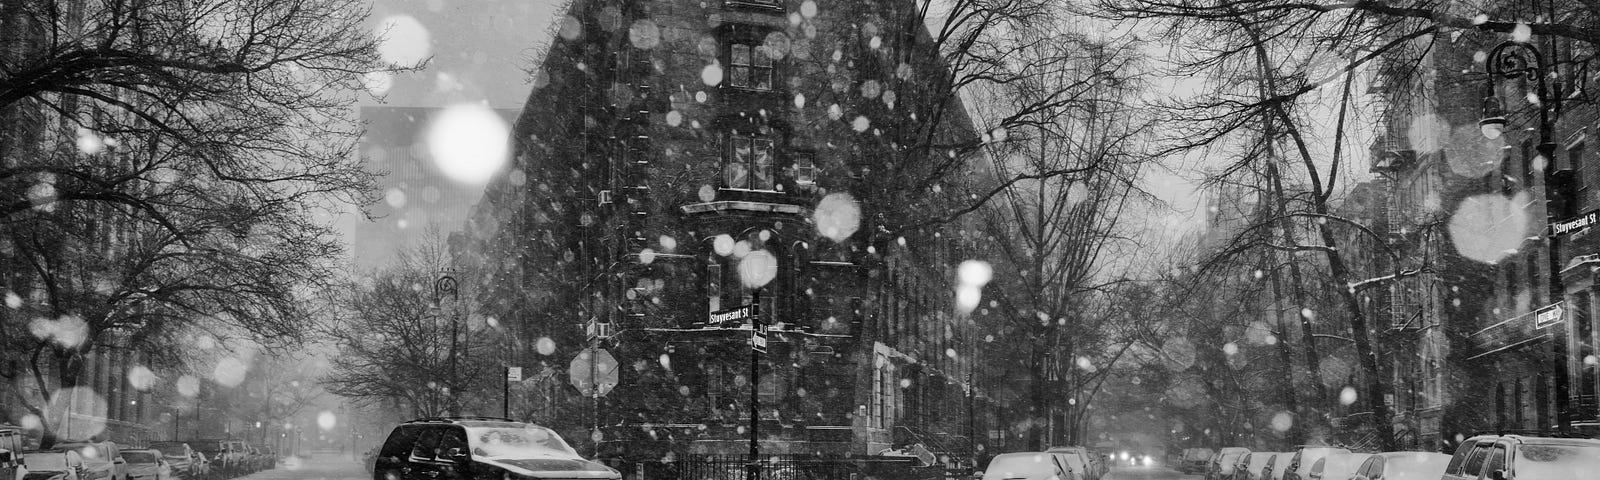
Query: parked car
{"points": [[1025, 466], [1276, 466], [243, 457], [1194, 460], [269, 458], [11, 444], [1250, 464], [1338, 466], [54, 465], [1299, 466], [1076, 467], [101, 460], [1512, 457], [147, 464], [1081, 461], [463, 449], [220, 460], [184, 460], [202, 465], [1221, 465], [1403, 466]]}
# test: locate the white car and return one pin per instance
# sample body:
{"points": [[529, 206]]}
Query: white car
{"points": [[147, 465]]}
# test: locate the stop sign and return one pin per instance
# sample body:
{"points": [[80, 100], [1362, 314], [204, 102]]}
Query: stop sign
{"points": [[594, 372]]}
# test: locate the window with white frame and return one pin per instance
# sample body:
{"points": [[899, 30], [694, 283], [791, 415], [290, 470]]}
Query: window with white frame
{"points": [[749, 66], [748, 162]]}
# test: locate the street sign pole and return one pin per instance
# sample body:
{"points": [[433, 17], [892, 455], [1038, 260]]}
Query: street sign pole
{"points": [[513, 374], [755, 388]]}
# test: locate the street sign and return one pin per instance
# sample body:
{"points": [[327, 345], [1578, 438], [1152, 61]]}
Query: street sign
{"points": [[735, 314], [513, 374], [1549, 315], [758, 340], [594, 372], [1575, 224]]}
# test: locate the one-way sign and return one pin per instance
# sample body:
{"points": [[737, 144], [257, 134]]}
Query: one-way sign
{"points": [[1549, 315], [758, 340]]}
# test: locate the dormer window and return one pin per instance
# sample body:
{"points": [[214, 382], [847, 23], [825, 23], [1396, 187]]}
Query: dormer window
{"points": [[749, 67]]}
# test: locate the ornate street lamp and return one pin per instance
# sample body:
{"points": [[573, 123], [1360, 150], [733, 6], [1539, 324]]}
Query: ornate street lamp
{"points": [[1513, 60], [756, 270]]}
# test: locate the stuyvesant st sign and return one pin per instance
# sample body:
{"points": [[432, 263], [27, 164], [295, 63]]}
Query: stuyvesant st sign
{"points": [[1576, 224]]}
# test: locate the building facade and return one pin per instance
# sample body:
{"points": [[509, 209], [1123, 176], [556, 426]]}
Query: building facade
{"points": [[675, 155]]}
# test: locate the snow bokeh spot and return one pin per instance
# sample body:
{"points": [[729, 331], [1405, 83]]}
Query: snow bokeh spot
{"points": [[141, 378], [757, 268], [69, 331], [837, 216], [860, 124], [188, 386], [89, 143], [1282, 422], [326, 420], [229, 372], [1347, 396], [405, 41], [1489, 227], [545, 346], [1521, 33], [647, 256], [396, 198], [711, 75], [468, 143], [377, 83], [722, 245], [644, 34]]}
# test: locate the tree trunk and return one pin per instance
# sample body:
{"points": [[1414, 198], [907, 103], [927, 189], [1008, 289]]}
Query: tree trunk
{"points": [[1307, 337], [1377, 390]]}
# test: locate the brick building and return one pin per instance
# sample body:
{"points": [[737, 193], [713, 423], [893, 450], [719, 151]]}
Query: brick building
{"points": [[665, 141]]}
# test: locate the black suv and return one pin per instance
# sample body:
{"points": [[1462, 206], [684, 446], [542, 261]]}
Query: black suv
{"points": [[461, 448]]}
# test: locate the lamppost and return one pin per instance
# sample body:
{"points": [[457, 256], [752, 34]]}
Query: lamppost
{"points": [[447, 284], [1513, 60], [756, 269]]}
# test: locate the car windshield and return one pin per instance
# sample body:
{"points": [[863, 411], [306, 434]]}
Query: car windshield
{"points": [[46, 461], [518, 443], [1557, 462], [139, 457]]}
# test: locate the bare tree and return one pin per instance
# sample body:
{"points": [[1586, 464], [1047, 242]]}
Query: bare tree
{"points": [[1056, 235], [398, 337], [170, 164]]}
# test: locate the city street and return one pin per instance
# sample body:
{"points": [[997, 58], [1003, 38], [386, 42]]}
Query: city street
{"points": [[799, 239], [1148, 473]]}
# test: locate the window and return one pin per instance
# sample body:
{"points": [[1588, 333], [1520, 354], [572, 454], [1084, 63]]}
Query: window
{"points": [[426, 446], [749, 162], [1475, 460], [805, 168], [1497, 459], [749, 66], [1455, 461], [1575, 163]]}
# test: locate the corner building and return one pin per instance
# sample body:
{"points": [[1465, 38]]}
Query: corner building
{"points": [[663, 141]]}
